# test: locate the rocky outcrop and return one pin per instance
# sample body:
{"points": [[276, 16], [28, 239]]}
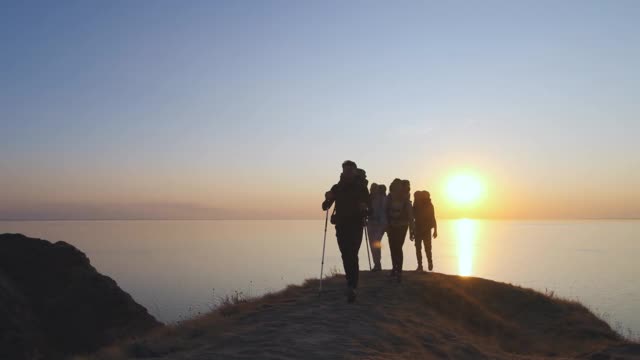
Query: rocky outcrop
{"points": [[54, 303]]}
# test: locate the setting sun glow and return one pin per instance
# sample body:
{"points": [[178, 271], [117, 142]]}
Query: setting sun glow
{"points": [[465, 231], [464, 189]]}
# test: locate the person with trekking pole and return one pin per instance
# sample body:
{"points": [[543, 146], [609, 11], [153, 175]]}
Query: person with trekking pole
{"points": [[351, 197]]}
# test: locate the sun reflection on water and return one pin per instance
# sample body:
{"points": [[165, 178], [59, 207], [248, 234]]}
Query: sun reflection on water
{"points": [[465, 231]]}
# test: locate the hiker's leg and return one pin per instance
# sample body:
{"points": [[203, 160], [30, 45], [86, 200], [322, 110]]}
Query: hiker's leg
{"points": [[343, 244], [394, 241], [418, 241], [357, 242], [402, 234], [427, 246], [392, 252], [382, 231], [375, 235], [377, 253]]}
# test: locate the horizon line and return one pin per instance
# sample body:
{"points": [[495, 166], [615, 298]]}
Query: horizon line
{"points": [[307, 219]]}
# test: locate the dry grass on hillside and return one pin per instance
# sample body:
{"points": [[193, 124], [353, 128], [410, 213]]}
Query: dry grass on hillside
{"points": [[427, 316]]}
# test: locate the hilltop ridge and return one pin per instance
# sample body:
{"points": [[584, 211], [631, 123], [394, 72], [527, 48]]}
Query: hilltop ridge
{"points": [[429, 315]]}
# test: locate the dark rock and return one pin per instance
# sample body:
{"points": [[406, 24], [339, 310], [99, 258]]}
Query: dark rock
{"points": [[54, 303], [20, 333], [618, 352]]}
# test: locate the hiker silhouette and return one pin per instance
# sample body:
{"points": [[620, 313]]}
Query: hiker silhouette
{"points": [[351, 199], [425, 220], [399, 219]]}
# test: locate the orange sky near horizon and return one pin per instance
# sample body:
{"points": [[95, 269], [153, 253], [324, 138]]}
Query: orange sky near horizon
{"points": [[206, 197]]}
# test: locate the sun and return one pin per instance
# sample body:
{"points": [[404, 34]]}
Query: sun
{"points": [[465, 189]]}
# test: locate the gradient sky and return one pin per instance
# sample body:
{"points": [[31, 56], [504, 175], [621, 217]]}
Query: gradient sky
{"points": [[245, 109]]}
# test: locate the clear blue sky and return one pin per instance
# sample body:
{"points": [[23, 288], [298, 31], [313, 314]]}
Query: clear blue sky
{"points": [[130, 109]]}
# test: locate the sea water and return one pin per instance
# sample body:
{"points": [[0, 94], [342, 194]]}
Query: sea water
{"points": [[178, 269]]}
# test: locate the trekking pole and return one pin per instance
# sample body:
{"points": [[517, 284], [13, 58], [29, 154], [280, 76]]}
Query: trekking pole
{"points": [[366, 236], [324, 241]]}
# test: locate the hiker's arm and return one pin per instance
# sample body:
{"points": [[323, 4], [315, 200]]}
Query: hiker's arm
{"points": [[329, 198], [327, 204], [435, 224]]}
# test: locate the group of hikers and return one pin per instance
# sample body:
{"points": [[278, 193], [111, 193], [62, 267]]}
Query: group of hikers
{"points": [[359, 209]]}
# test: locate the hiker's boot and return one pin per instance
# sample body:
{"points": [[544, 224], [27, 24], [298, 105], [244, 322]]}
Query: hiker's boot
{"points": [[351, 295]]}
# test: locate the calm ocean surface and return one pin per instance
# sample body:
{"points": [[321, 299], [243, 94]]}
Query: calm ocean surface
{"points": [[179, 268]]}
